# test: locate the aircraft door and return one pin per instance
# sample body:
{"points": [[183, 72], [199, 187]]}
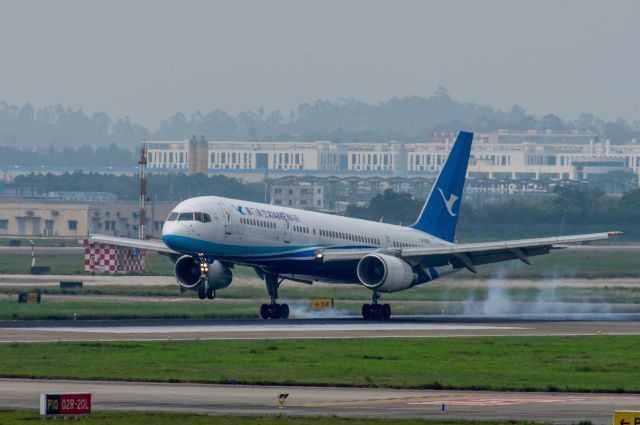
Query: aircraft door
{"points": [[287, 232], [227, 218]]}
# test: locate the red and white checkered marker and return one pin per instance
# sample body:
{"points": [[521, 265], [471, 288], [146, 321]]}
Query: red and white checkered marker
{"points": [[103, 258]]}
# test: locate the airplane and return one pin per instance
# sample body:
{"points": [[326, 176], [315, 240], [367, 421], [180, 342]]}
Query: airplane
{"points": [[206, 236]]}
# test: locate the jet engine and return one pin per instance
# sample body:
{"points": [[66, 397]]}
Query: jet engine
{"points": [[385, 273], [188, 271]]}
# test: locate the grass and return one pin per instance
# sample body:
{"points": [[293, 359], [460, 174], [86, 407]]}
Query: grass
{"points": [[94, 310], [597, 363], [435, 292], [9, 417], [60, 263], [615, 300], [591, 264], [118, 310], [40, 241], [114, 290]]}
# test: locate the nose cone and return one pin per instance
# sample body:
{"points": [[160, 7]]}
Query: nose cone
{"points": [[176, 236]]}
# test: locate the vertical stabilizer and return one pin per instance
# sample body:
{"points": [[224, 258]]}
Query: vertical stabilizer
{"points": [[439, 215]]}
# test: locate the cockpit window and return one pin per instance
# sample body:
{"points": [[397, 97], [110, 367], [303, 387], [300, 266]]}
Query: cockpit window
{"points": [[190, 216]]}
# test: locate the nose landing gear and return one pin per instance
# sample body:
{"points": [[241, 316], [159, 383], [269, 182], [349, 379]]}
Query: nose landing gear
{"points": [[375, 311], [205, 292], [273, 310]]}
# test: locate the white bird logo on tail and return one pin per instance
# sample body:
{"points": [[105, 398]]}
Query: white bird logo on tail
{"points": [[449, 202]]}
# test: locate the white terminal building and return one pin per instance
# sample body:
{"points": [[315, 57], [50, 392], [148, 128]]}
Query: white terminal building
{"points": [[501, 155]]}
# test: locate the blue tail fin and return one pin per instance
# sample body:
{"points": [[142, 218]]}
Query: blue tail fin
{"points": [[439, 215]]}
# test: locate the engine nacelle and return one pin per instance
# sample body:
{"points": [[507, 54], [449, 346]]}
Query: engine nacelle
{"points": [[188, 272], [385, 273]]}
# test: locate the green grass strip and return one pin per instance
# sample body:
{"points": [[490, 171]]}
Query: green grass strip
{"points": [[597, 363], [591, 264], [98, 310], [135, 418]]}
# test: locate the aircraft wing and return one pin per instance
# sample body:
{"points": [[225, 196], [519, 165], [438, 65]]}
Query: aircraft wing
{"points": [[149, 245], [469, 255]]}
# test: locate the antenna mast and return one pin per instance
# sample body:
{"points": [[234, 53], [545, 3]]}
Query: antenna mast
{"points": [[142, 162]]}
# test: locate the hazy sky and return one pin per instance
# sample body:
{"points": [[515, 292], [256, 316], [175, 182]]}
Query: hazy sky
{"points": [[149, 59]]}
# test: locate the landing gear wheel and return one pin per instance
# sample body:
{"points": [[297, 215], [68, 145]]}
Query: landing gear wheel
{"points": [[385, 312], [274, 311], [284, 311], [375, 311], [264, 311], [210, 293], [366, 311], [202, 293]]}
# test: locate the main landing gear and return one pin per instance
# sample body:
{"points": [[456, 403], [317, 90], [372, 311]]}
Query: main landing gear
{"points": [[376, 311], [273, 310]]}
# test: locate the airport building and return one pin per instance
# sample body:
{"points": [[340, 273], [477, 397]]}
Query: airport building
{"points": [[303, 195], [500, 155], [38, 217]]}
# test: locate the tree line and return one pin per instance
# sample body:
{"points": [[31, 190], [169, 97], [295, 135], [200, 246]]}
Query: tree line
{"points": [[570, 205], [160, 187], [406, 119]]}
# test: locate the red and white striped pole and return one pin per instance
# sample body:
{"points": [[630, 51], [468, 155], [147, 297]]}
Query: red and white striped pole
{"points": [[33, 254], [142, 230]]}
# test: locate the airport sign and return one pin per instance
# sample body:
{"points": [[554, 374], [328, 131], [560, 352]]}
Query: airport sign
{"points": [[626, 418], [321, 303], [68, 404]]}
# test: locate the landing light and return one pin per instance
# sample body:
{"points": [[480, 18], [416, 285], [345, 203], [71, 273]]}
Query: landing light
{"points": [[319, 256]]}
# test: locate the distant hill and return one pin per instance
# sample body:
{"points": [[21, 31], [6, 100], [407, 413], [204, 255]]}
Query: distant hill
{"points": [[400, 118]]}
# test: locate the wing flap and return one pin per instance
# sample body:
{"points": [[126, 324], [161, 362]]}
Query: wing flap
{"points": [[149, 245]]}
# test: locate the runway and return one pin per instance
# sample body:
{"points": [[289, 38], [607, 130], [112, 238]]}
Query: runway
{"points": [[426, 327], [240, 399]]}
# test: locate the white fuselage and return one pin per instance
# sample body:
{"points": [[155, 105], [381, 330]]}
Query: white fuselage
{"points": [[280, 239]]}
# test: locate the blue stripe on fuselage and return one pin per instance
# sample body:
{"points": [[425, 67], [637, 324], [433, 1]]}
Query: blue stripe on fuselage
{"points": [[192, 246], [189, 245]]}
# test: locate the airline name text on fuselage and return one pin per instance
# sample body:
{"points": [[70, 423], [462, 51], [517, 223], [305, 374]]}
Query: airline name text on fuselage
{"points": [[259, 212]]}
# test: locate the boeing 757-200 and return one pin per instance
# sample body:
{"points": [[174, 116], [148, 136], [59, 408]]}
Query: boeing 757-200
{"points": [[206, 236]]}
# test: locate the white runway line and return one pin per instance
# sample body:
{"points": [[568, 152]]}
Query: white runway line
{"points": [[271, 328]]}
